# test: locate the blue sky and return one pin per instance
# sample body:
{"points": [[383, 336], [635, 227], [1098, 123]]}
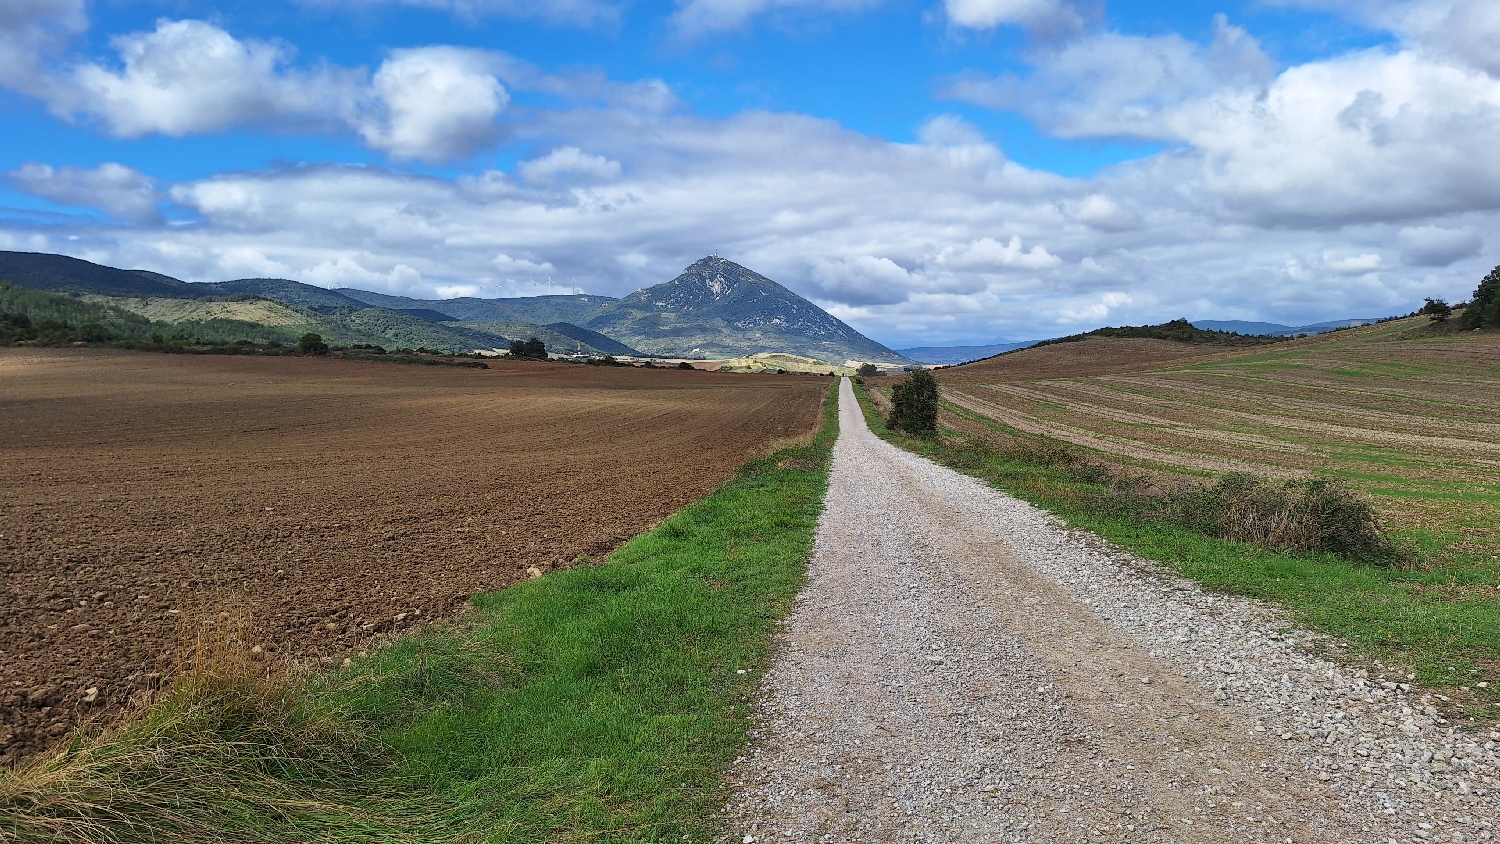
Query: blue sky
{"points": [[930, 170]]}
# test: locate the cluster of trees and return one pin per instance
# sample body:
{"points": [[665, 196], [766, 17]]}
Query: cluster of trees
{"points": [[533, 348], [1481, 311], [19, 327]]}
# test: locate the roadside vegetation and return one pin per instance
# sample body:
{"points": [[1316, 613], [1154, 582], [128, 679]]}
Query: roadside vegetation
{"points": [[599, 703], [1317, 545]]}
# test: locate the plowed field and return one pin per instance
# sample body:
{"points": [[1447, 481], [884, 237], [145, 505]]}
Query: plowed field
{"points": [[319, 504]]}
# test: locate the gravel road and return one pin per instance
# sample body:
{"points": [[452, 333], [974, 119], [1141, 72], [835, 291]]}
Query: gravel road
{"points": [[961, 667]]}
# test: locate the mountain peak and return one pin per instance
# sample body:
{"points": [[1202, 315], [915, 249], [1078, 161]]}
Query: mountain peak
{"points": [[718, 276], [719, 308]]}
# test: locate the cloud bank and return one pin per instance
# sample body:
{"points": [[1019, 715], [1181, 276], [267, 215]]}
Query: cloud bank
{"points": [[1347, 186]]}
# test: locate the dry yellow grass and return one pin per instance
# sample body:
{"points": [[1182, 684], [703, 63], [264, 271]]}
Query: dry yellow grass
{"points": [[182, 310]]}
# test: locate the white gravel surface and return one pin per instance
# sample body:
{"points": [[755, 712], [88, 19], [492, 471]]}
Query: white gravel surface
{"points": [[961, 667]]}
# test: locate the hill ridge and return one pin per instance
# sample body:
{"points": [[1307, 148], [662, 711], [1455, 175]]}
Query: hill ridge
{"points": [[716, 307]]}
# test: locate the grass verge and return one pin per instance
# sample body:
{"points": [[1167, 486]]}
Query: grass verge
{"points": [[1384, 614], [601, 703]]}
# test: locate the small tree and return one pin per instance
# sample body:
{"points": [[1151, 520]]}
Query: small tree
{"points": [[1437, 310], [866, 370], [312, 344], [1484, 309], [915, 404], [685, 365]]}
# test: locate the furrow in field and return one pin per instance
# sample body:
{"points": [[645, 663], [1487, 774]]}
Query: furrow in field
{"points": [[1364, 435], [1202, 443], [1121, 447], [1057, 392], [1276, 396]]}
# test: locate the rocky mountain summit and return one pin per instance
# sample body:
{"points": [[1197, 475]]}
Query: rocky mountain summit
{"points": [[717, 308]]}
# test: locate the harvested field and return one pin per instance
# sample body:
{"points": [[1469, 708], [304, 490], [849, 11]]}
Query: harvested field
{"points": [[319, 505], [1404, 416], [1089, 356]]}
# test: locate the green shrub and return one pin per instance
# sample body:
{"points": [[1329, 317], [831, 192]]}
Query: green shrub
{"points": [[684, 365], [867, 370], [915, 404], [1483, 310], [1437, 310], [312, 344]]}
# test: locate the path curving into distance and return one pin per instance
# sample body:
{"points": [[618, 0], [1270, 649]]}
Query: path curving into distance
{"points": [[962, 668]]}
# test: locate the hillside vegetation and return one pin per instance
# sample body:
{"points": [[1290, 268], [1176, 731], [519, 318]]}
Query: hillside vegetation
{"points": [[714, 309], [247, 309], [53, 319], [1178, 331]]}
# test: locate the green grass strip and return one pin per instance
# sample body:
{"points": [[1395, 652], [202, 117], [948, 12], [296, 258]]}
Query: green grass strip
{"points": [[1448, 637], [602, 703]]}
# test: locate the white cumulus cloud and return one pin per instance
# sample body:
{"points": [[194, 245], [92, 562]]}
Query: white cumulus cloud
{"points": [[187, 77], [122, 192], [569, 164], [1110, 84], [435, 103], [1367, 262], [190, 76], [988, 255]]}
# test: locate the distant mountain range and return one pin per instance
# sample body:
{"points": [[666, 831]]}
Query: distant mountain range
{"points": [[948, 355], [1274, 329], [714, 309]]}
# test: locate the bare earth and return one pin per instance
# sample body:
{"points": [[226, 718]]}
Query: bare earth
{"points": [[963, 668], [318, 505]]}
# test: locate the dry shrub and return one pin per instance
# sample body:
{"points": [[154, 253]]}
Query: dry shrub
{"points": [[1319, 515], [232, 751], [1298, 517]]}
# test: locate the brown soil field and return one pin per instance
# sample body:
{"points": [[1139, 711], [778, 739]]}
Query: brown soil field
{"points": [[318, 505]]}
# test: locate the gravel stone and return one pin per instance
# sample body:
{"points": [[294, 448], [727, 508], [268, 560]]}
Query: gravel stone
{"points": [[962, 667]]}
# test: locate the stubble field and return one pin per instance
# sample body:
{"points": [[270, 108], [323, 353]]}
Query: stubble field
{"points": [[318, 506], [1411, 420]]}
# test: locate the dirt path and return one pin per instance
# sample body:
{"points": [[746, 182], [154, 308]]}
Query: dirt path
{"points": [[962, 668]]}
